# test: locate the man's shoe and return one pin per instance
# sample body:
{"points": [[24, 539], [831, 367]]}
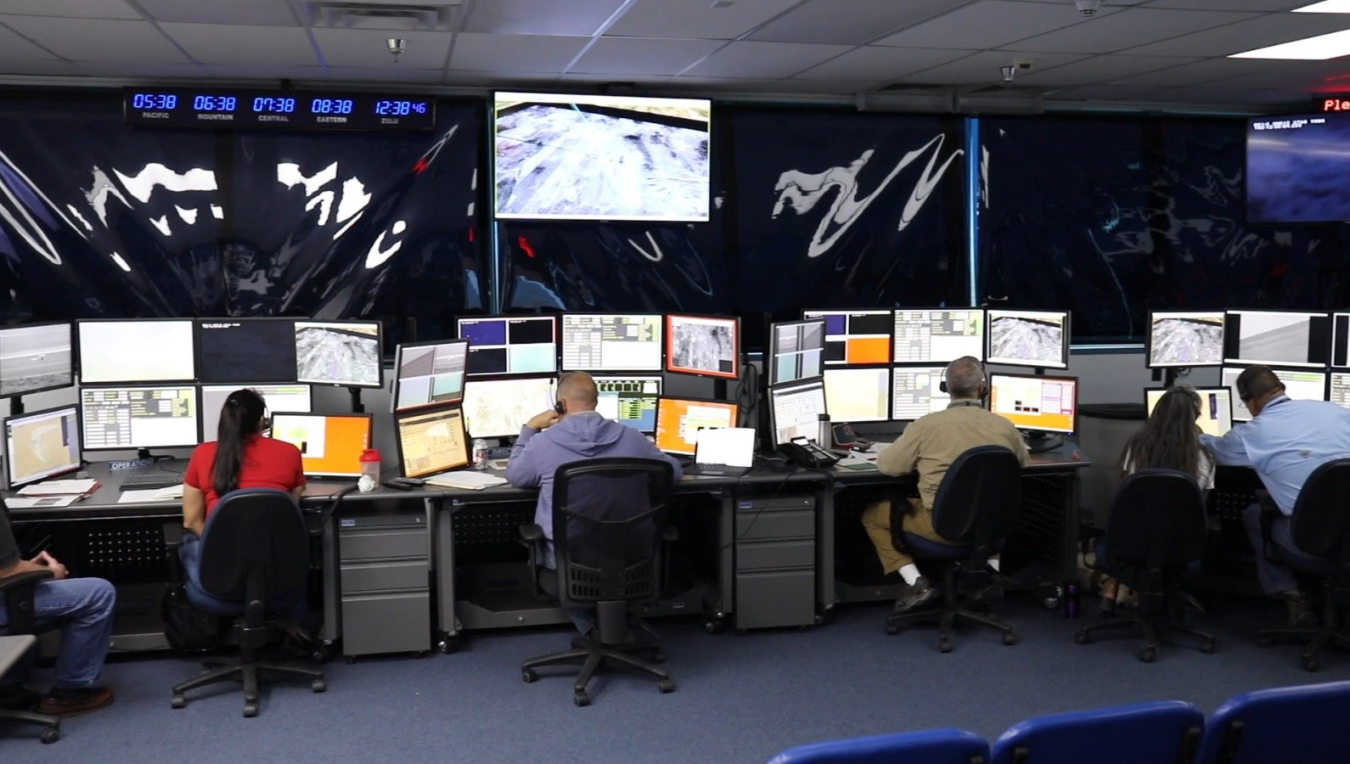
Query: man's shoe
{"points": [[75, 700], [916, 595], [16, 697], [1301, 615]]}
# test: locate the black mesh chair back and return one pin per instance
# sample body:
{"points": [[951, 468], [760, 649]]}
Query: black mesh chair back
{"points": [[980, 497], [1322, 512], [1157, 526], [258, 532], [608, 519]]}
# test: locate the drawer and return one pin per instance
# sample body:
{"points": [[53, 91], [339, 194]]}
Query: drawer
{"points": [[770, 599], [790, 502], [382, 544], [384, 576], [776, 524], [769, 555], [394, 623]]}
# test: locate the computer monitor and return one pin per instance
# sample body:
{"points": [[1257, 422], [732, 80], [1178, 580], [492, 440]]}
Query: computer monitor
{"points": [[431, 441], [497, 408], [858, 395], [1035, 404], [511, 345], [916, 392], [40, 445], [330, 444], [345, 353], [938, 335], [611, 342], [1216, 408], [678, 421], [629, 400], [1036, 338], [296, 397], [155, 350], [239, 350], [1185, 339], [1299, 385], [1277, 338], [797, 350], [35, 358], [429, 374], [138, 417], [1340, 341], [1339, 392], [856, 337], [795, 409], [704, 345]]}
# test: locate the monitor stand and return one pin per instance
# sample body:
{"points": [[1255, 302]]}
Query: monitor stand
{"points": [[1039, 442], [16, 406], [357, 406]]}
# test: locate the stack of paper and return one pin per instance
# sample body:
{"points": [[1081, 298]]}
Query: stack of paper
{"points": [[171, 493], [472, 480], [59, 488]]}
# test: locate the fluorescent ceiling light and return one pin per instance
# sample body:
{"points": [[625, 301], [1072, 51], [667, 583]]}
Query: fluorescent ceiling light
{"points": [[1326, 6], [1319, 48]]}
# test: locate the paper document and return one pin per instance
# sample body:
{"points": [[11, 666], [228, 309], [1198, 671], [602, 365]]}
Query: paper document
{"points": [[28, 502], [470, 479], [732, 446], [58, 488], [145, 497]]}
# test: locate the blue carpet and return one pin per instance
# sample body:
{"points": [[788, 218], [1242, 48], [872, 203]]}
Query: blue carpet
{"points": [[739, 698]]}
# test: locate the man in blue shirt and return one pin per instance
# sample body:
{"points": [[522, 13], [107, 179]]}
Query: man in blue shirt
{"points": [[1285, 441]]}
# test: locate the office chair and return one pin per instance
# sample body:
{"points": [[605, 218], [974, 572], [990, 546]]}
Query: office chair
{"points": [[1284, 725], [609, 530], [1161, 731], [1320, 527], [977, 506], [18, 591], [940, 746], [1156, 530], [254, 559]]}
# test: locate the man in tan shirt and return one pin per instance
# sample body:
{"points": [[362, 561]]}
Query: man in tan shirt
{"points": [[928, 446]]}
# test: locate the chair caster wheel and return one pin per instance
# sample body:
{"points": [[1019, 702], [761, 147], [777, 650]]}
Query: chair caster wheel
{"points": [[250, 710], [49, 736], [1009, 639], [1209, 647], [448, 645], [1148, 654], [318, 685], [658, 656], [1081, 637], [581, 699], [178, 702], [665, 686], [1265, 642], [892, 629], [944, 644], [528, 675], [715, 625], [1309, 664]]}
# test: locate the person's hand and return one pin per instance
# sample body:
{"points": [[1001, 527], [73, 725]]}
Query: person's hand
{"points": [[543, 420], [47, 561]]}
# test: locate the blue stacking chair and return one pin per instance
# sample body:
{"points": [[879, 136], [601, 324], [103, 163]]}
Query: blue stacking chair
{"points": [[943, 746], [1285, 725], [1164, 732]]}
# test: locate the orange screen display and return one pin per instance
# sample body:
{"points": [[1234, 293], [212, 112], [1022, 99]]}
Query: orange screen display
{"points": [[678, 422], [1035, 403], [329, 445], [866, 350]]}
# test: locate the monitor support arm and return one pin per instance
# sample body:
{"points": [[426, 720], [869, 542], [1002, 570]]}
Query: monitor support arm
{"points": [[357, 406]]}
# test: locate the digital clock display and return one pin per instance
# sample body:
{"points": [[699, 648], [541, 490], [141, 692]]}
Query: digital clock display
{"points": [[189, 107]]}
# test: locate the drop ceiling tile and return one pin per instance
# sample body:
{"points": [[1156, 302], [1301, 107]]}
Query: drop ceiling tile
{"points": [[516, 81], [1232, 5], [561, 17], [985, 67], [1247, 35], [1127, 29], [14, 49], [696, 20], [391, 75], [71, 9], [876, 64], [105, 40], [258, 71], [44, 67], [143, 71], [989, 24], [239, 12], [506, 53], [259, 46], [1198, 72], [1101, 69], [368, 47], [724, 84], [850, 22], [620, 56], [766, 60], [600, 79]]}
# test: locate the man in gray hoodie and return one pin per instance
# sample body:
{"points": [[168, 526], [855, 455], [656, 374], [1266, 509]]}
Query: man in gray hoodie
{"points": [[571, 432]]}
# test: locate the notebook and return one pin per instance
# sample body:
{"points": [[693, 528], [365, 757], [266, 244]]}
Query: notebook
{"points": [[724, 452], [472, 480]]}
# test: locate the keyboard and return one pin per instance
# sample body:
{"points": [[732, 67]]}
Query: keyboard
{"points": [[150, 481], [717, 470]]}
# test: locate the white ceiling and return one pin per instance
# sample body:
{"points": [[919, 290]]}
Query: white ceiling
{"points": [[1133, 53]]}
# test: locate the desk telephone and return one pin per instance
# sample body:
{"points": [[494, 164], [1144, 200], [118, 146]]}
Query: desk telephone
{"points": [[806, 454]]}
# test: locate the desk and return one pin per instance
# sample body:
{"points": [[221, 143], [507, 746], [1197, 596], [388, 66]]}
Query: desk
{"points": [[13, 648]]}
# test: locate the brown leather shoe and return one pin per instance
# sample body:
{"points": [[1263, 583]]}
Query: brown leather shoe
{"points": [[77, 700]]}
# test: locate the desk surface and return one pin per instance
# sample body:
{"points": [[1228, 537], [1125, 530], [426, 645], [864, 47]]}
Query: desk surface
{"points": [[13, 648]]}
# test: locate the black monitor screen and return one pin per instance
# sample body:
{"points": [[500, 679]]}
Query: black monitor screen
{"points": [[246, 350]]}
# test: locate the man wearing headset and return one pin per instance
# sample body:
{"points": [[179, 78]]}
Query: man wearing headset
{"points": [[928, 446], [571, 431], [1284, 442]]}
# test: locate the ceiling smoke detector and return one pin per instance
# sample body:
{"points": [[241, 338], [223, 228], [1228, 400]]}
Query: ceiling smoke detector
{"points": [[1087, 8]]}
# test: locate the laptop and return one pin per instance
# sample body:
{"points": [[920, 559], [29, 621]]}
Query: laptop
{"points": [[724, 452]]}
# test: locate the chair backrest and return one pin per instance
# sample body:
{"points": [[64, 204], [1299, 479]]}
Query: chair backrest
{"points": [[1285, 725], [608, 519], [940, 746], [980, 497], [1157, 522], [1322, 512], [254, 529], [1161, 732]]}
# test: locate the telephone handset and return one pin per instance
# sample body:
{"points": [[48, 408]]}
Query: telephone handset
{"points": [[806, 454]]}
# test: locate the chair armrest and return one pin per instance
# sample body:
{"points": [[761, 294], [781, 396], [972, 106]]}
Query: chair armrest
{"points": [[173, 536], [670, 535], [29, 578], [17, 591], [531, 533]]}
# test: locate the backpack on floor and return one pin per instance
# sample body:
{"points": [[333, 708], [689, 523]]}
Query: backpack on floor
{"points": [[188, 629]]}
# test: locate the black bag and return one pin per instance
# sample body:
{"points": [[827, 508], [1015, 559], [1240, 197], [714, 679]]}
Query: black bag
{"points": [[188, 629]]}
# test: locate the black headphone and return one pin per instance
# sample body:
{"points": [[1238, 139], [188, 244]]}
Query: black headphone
{"points": [[984, 384], [558, 404]]}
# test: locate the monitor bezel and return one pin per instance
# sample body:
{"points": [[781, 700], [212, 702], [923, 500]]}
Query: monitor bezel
{"points": [[984, 335], [1063, 365], [557, 344], [790, 388], [735, 416], [654, 375], [70, 339], [379, 351], [736, 364], [503, 378], [197, 350], [844, 364], [396, 378], [1148, 338], [204, 436], [562, 335], [191, 322], [1052, 377], [398, 438], [771, 352], [370, 439], [196, 419], [10, 483], [1335, 322]]}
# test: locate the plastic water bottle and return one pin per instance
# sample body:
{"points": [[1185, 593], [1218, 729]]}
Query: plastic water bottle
{"points": [[480, 454]]}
